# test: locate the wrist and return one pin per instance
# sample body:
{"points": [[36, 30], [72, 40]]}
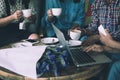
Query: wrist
{"points": [[13, 17], [111, 43], [109, 49], [106, 49], [50, 18]]}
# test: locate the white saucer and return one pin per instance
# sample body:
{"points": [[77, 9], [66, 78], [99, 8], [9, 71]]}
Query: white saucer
{"points": [[74, 43], [49, 40]]}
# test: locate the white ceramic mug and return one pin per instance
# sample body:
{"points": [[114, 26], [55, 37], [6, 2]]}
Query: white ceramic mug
{"points": [[56, 11], [75, 34], [22, 25], [27, 12]]}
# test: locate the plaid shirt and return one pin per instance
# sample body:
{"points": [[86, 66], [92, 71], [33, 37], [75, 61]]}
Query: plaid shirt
{"points": [[18, 6], [107, 14]]}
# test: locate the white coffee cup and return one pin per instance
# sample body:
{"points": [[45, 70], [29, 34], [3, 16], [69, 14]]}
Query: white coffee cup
{"points": [[27, 12], [56, 11], [75, 34], [22, 25]]}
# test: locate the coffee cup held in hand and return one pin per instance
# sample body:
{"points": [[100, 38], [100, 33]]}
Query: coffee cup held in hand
{"points": [[75, 34], [56, 11], [22, 25], [27, 12]]}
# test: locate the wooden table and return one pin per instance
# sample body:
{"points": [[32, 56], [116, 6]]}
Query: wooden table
{"points": [[71, 73], [82, 74]]}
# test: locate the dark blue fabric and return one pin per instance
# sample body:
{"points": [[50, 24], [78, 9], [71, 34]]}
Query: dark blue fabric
{"points": [[11, 33]]}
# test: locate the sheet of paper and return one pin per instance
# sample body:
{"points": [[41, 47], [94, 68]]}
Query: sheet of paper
{"points": [[22, 60]]}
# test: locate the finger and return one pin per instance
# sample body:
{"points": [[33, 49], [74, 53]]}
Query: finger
{"points": [[84, 43], [19, 14], [106, 30], [90, 49], [87, 48], [50, 12], [101, 34]]}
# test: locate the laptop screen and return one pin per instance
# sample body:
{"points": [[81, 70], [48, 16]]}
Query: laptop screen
{"points": [[60, 36], [62, 40]]}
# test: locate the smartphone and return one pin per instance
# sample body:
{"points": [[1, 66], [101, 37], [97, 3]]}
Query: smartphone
{"points": [[32, 41], [102, 30]]}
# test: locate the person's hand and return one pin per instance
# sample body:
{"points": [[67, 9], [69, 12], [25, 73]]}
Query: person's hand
{"points": [[107, 40], [49, 12], [17, 15], [50, 15], [95, 48], [91, 40], [34, 36], [31, 18]]}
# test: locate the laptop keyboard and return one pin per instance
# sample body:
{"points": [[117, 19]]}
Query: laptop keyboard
{"points": [[80, 56]]}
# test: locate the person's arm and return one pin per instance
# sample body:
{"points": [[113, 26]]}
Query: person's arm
{"points": [[110, 50], [5, 21], [101, 48], [108, 41], [50, 17], [91, 40], [112, 43]]}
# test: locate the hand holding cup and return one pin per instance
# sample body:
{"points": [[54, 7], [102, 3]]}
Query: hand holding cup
{"points": [[17, 15]]}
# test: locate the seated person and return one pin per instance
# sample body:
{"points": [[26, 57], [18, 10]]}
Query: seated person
{"points": [[111, 46], [105, 12], [10, 17], [72, 15]]}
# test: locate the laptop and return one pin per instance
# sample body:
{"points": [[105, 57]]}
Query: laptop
{"points": [[79, 57]]}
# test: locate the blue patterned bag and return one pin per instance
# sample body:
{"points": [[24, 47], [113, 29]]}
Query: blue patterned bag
{"points": [[53, 60]]}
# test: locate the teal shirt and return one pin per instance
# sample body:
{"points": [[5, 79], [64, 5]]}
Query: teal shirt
{"points": [[72, 13]]}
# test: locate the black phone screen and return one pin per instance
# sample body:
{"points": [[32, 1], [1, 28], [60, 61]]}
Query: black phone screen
{"points": [[31, 40]]}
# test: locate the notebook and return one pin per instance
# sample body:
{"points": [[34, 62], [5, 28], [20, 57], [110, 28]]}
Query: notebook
{"points": [[79, 57]]}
